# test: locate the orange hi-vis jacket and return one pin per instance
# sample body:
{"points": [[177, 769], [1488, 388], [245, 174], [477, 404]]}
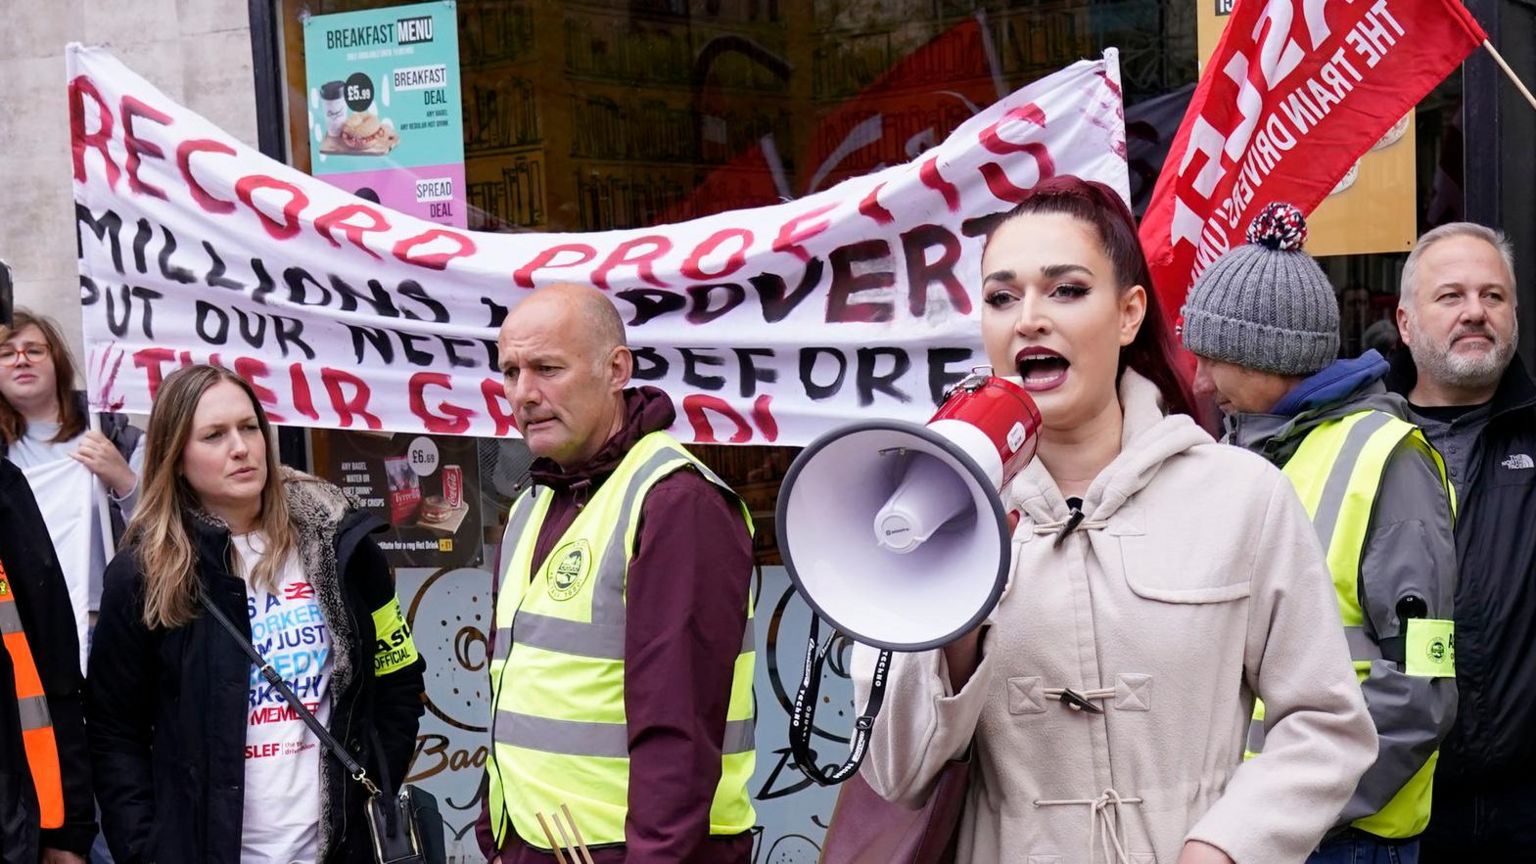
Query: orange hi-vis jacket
{"points": [[32, 707]]}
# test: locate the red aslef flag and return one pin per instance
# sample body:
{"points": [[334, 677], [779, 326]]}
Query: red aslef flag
{"points": [[1295, 92]]}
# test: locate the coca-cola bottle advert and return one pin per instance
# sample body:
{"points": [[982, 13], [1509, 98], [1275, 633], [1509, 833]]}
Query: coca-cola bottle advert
{"points": [[424, 486]]}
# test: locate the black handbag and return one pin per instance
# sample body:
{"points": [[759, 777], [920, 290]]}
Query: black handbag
{"points": [[404, 829]]}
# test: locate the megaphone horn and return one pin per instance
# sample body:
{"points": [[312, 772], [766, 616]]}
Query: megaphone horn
{"points": [[896, 534]]}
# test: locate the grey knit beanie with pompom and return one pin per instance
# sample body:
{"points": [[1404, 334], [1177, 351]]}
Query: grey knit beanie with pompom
{"points": [[1265, 305]]}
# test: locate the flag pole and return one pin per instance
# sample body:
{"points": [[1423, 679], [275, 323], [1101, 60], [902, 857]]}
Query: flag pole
{"points": [[1519, 85]]}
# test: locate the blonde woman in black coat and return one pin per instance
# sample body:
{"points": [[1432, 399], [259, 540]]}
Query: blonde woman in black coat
{"points": [[196, 758]]}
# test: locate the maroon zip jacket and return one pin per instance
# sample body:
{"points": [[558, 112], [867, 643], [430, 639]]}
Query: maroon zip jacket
{"points": [[686, 597]]}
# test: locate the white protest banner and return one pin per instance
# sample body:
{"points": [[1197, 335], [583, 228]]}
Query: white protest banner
{"points": [[65, 491], [769, 325]]}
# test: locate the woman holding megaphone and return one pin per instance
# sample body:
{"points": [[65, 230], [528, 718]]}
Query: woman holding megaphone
{"points": [[1161, 582]]}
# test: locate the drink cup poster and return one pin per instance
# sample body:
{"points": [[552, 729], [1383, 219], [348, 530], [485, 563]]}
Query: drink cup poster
{"points": [[385, 121]]}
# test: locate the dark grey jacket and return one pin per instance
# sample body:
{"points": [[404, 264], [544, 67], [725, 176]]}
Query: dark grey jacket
{"points": [[1493, 747], [1410, 550]]}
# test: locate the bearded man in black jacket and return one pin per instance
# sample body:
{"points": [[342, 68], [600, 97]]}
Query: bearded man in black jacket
{"points": [[1475, 402]]}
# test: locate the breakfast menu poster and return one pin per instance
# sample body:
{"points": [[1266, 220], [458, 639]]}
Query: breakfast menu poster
{"points": [[385, 121], [425, 486]]}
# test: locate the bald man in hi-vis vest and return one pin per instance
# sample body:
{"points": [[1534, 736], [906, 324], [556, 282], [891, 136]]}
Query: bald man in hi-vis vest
{"points": [[622, 653]]}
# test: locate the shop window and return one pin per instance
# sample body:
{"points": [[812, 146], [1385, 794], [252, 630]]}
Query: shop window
{"points": [[607, 114]]}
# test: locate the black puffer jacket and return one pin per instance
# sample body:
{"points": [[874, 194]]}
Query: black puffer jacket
{"points": [[48, 619], [1493, 743], [167, 709]]}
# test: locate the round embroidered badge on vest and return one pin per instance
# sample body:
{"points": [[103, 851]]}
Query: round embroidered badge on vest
{"points": [[567, 570]]}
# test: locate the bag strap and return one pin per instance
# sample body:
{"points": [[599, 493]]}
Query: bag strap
{"points": [[390, 813], [803, 721], [345, 758]]}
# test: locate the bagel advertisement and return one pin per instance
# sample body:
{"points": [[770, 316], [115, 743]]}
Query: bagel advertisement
{"points": [[385, 121]]}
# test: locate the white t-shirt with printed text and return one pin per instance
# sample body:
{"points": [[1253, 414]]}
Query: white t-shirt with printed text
{"points": [[281, 820]]}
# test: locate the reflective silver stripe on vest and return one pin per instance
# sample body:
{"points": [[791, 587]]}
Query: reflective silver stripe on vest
{"points": [[34, 712], [1326, 519], [570, 737], [517, 523], [1255, 736], [708, 474], [569, 637], [583, 640], [739, 735], [608, 592], [10, 618], [1361, 646], [573, 738]]}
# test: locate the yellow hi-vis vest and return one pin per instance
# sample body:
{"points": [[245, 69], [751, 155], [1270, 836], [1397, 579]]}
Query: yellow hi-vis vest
{"points": [[557, 673], [1337, 473]]}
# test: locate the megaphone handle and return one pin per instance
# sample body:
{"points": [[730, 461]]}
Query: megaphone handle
{"points": [[802, 723]]}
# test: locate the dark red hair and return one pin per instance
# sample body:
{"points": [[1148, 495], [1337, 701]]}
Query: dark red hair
{"points": [[1152, 352]]}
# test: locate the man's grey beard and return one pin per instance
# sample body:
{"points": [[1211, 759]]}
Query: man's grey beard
{"points": [[1462, 371]]}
